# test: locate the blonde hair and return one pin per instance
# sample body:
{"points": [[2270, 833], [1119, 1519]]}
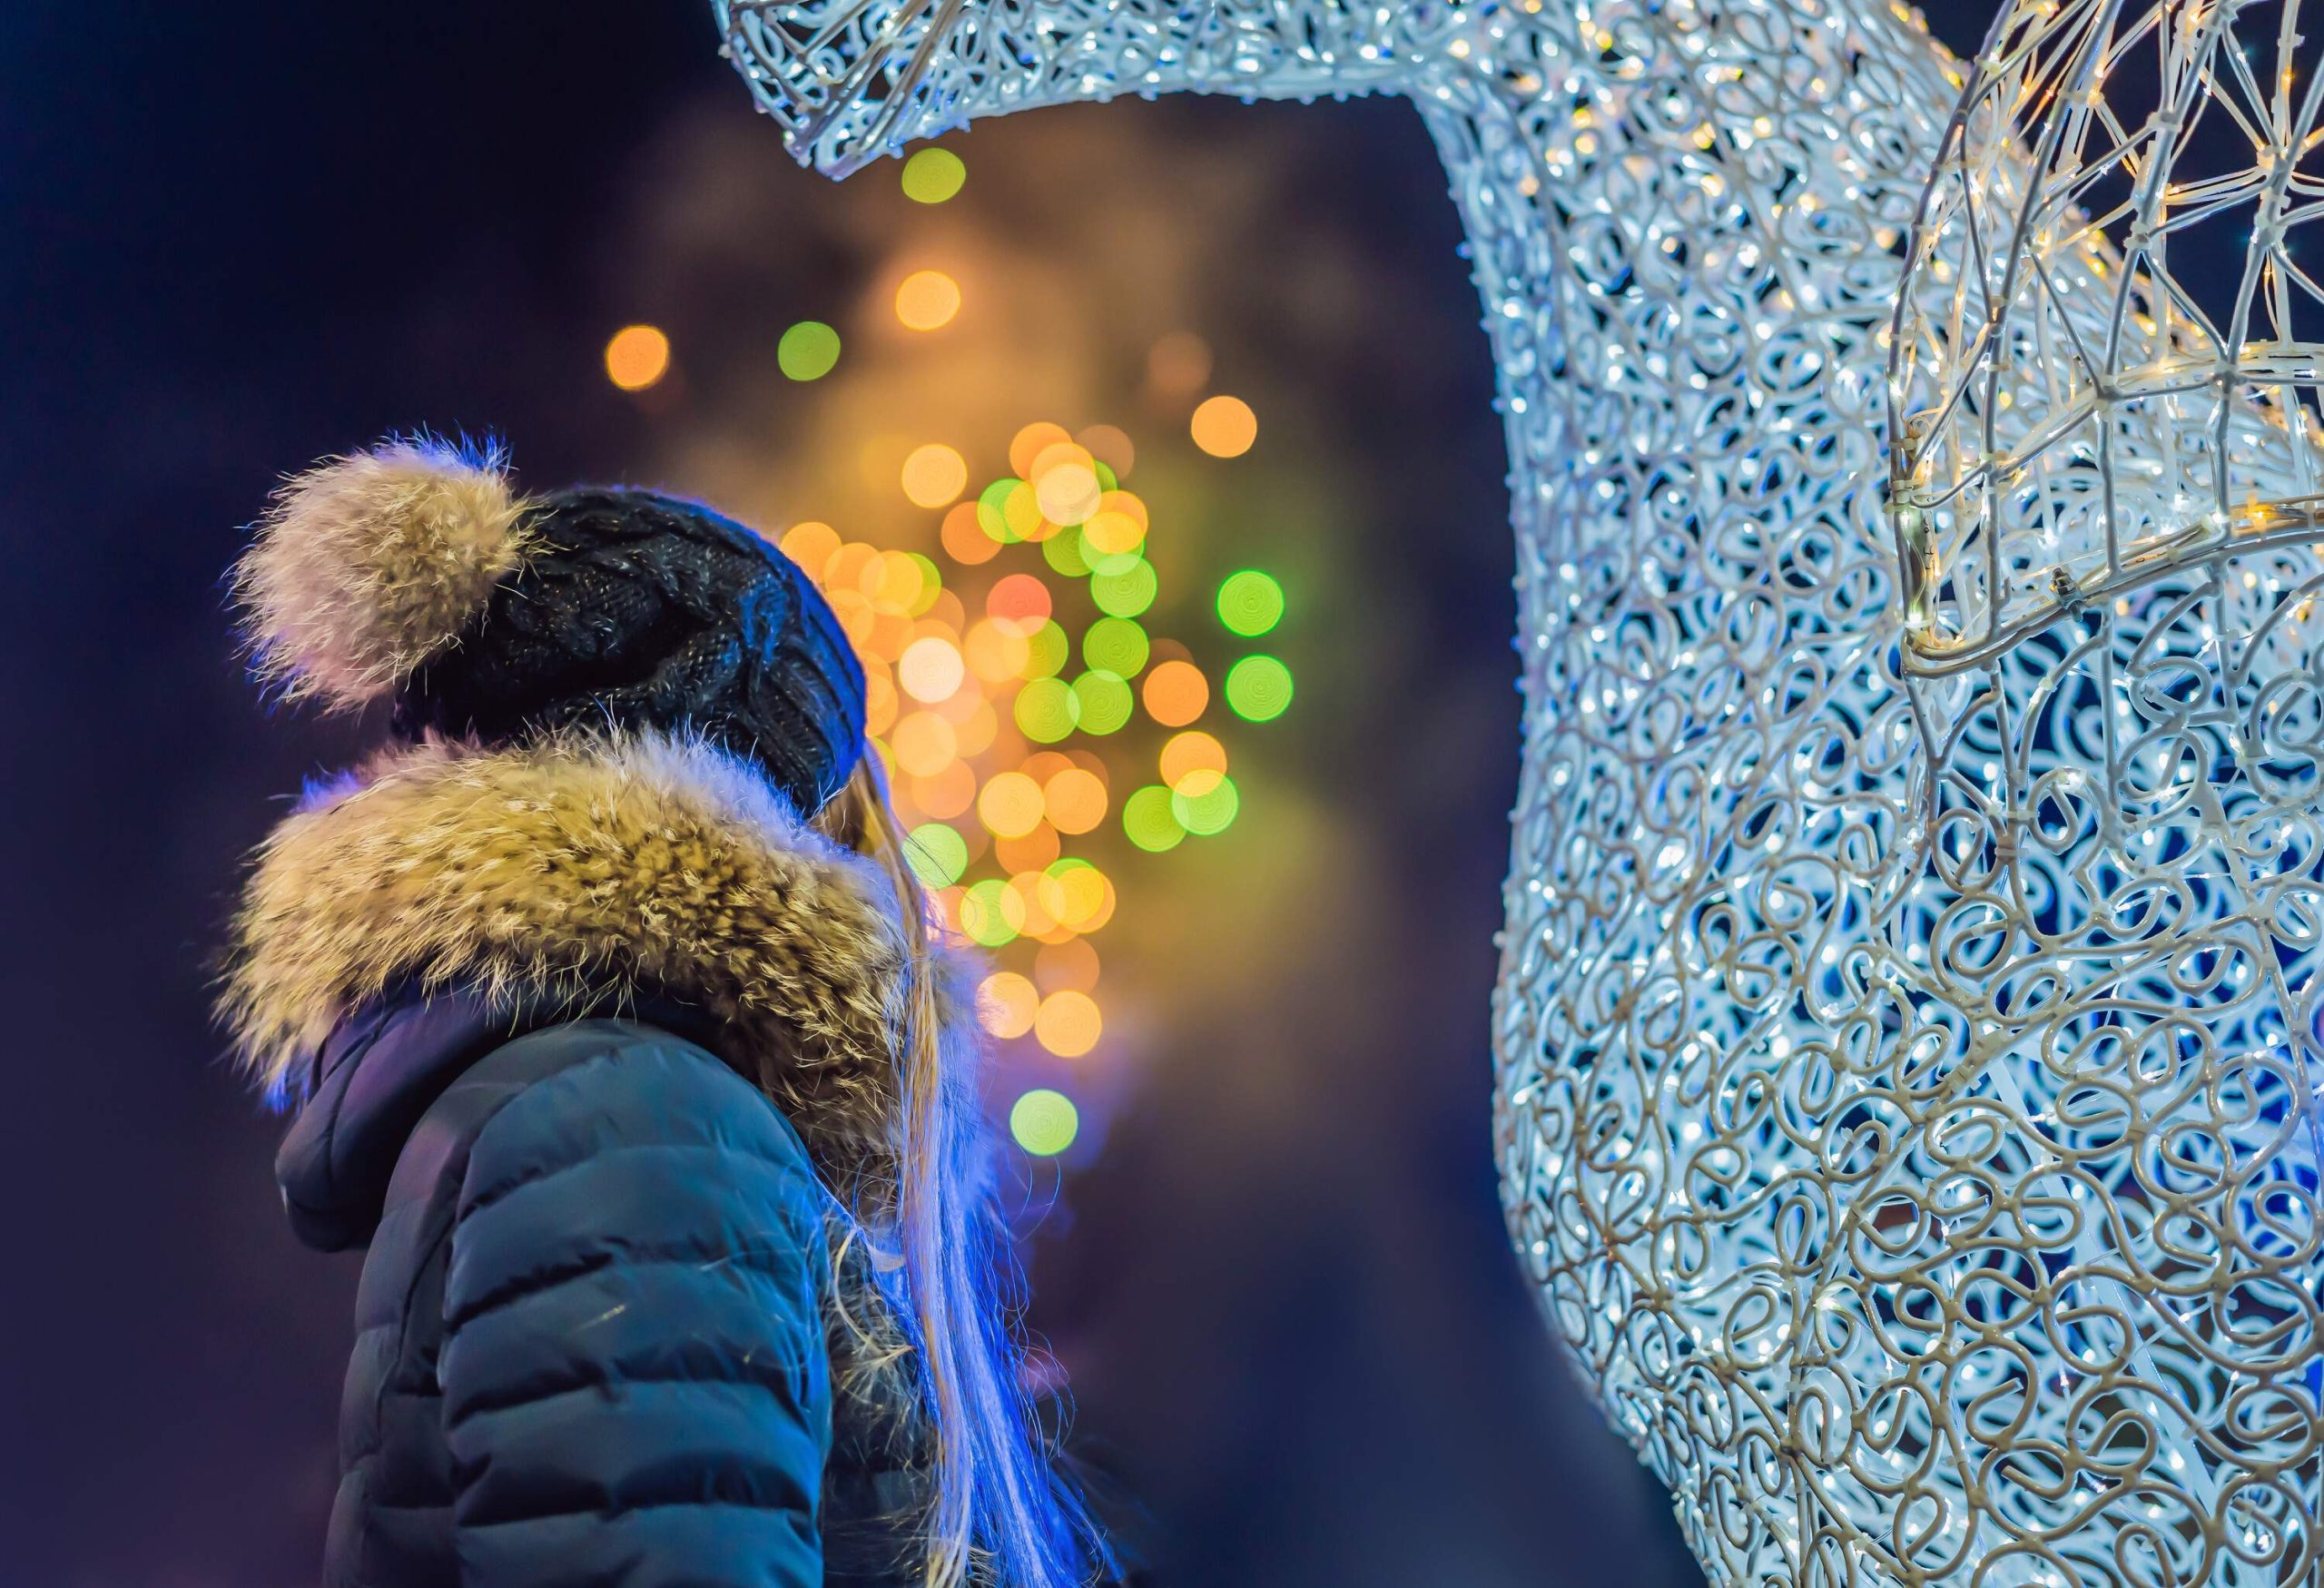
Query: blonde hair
{"points": [[997, 1514]]}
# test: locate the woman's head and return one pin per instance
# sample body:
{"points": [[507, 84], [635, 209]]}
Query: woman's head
{"points": [[411, 574]]}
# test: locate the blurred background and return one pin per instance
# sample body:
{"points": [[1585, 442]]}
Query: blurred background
{"points": [[1147, 450]]}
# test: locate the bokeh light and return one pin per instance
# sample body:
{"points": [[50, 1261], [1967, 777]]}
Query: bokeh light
{"points": [[934, 475], [1044, 1122], [1069, 1024], [1204, 802], [932, 175], [927, 300], [1177, 693], [809, 351], [1225, 427], [938, 853], [1150, 822], [1006, 1002], [1191, 753], [1005, 667], [1259, 688], [1250, 603], [1178, 365], [637, 357]]}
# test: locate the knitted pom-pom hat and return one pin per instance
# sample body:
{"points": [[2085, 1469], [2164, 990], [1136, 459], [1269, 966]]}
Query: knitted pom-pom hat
{"points": [[410, 572]]}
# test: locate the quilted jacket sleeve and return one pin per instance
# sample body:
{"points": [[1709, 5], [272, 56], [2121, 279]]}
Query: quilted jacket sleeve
{"points": [[636, 1390]]}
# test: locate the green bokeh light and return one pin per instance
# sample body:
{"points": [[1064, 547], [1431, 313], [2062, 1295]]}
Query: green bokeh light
{"points": [[1259, 688], [933, 175], [1044, 1122], [1047, 649], [938, 855], [992, 510], [1047, 710], [1063, 552], [1212, 811], [1106, 701], [1126, 594], [983, 918], [808, 351], [1117, 644], [1150, 822], [1250, 602]]}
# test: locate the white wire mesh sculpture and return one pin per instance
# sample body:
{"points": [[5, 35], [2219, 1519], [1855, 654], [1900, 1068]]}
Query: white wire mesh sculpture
{"points": [[1880, 1110]]}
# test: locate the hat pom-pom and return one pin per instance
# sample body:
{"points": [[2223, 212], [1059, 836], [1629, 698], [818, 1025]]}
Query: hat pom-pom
{"points": [[367, 566]]}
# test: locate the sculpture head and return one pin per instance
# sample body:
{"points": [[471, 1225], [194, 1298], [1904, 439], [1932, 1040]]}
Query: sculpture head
{"points": [[851, 80]]}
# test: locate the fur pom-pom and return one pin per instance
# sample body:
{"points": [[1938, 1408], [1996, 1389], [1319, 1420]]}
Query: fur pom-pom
{"points": [[367, 566]]}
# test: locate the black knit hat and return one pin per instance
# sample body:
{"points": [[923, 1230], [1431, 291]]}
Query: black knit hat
{"points": [[409, 572]]}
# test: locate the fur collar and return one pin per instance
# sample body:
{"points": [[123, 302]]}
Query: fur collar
{"points": [[587, 869]]}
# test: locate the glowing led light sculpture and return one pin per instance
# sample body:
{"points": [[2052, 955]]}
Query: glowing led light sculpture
{"points": [[1905, 1101]]}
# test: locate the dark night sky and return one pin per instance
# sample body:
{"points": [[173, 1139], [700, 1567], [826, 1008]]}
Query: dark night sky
{"points": [[242, 236]]}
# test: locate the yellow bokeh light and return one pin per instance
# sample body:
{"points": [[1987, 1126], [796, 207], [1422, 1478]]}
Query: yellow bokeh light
{"points": [[934, 475], [1068, 493], [1225, 427], [997, 651], [1191, 753], [1006, 1003], [1068, 1023], [1011, 805], [637, 357], [812, 546], [927, 300], [895, 581], [924, 743], [880, 704], [931, 669]]}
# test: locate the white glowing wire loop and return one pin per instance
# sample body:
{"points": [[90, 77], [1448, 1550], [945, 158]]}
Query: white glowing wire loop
{"points": [[1906, 1054]]}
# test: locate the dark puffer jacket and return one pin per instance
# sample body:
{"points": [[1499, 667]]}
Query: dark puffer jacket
{"points": [[590, 1340], [595, 1340]]}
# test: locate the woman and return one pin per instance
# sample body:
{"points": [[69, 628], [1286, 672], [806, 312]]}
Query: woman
{"points": [[607, 999]]}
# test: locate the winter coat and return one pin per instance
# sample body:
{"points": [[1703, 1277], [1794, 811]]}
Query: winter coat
{"points": [[521, 990]]}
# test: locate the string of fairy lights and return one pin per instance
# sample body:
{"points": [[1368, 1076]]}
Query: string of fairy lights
{"points": [[1040, 734]]}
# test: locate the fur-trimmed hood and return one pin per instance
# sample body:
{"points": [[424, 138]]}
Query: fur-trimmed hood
{"points": [[590, 870]]}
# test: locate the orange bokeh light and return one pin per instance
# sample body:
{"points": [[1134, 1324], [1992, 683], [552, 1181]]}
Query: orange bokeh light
{"points": [[1030, 442], [812, 546], [1075, 799], [1069, 1024], [1020, 600], [927, 300], [1070, 966], [964, 538], [1176, 693], [637, 357], [1225, 427]]}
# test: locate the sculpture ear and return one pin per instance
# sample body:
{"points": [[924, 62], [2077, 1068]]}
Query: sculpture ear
{"points": [[365, 566]]}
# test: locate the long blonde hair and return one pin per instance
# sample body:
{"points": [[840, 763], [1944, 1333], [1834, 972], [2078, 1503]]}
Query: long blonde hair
{"points": [[998, 1514]]}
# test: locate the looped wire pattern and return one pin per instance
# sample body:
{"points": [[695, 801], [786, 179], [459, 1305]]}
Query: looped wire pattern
{"points": [[1906, 1103]]}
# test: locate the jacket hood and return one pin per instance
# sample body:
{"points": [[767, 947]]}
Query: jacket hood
{"points": [[585, 873]]}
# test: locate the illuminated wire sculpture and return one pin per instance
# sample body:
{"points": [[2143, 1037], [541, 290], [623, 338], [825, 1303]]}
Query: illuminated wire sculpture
{"points": [[1905, 1101]]}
